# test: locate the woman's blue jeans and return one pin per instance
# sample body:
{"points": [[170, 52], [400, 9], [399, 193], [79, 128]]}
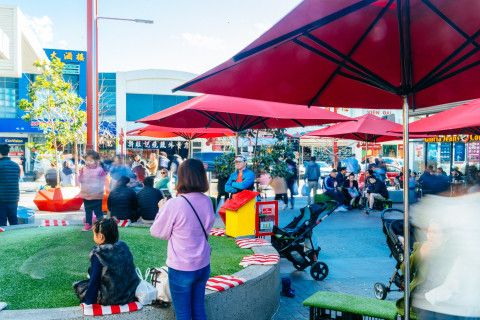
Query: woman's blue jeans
{"points": [[188, 293]]}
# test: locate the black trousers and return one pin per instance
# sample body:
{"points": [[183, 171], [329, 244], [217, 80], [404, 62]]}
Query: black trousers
{"points": [[283, 197], [8, 212]]}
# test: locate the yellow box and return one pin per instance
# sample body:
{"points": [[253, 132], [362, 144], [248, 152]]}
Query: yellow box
{"points": [[240, 214]]}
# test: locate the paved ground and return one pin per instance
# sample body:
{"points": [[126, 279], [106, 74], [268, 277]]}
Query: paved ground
{"points": [[353, 246]]}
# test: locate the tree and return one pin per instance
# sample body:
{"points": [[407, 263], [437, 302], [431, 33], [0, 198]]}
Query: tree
{"points": [[55, 106]]}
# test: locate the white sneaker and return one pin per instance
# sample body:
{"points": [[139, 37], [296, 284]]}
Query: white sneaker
{"points": [[341, 209], [3, 305]]}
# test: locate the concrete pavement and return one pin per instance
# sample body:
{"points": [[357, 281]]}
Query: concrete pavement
{"points": [[354, 248]]}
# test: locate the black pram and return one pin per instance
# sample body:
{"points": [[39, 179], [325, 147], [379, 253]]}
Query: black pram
{"points": [[290, 240], [392, 225]]}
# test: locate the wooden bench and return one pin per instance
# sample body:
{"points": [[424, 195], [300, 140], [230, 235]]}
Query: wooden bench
{"points": [[340, 306]]}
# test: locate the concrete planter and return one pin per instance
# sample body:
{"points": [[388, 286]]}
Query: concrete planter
{"points": [[257, 299]]}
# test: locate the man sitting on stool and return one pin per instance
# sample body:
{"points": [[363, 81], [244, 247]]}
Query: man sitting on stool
{"points": [[376, 190], [330, 184], [242, 178]]}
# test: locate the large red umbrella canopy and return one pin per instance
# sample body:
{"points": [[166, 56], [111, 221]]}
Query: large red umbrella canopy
{"points": [[186, 133], [368, 128], [358, 54], [238, 114], [464, 119]]}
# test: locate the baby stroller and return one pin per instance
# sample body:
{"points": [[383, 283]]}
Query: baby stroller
{"points": [[392, 225], [290, 240]]}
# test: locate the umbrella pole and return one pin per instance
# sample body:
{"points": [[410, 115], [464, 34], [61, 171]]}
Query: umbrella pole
{"points": [[236, 142], [406, 224], [189, 148]]}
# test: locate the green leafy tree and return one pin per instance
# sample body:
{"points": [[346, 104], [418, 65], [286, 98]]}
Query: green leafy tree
{"points": [[55, 106], [225, 165]]}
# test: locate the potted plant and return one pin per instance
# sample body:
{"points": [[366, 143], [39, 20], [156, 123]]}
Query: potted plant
{"points": [[224, 167]]}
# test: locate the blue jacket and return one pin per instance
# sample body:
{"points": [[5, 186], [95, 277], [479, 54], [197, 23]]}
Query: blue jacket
{"points": [[248, 178], [329, 183], [312, 171]]}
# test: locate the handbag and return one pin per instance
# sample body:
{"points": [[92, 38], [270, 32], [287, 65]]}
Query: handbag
{"points": [[158, 277], [145, 293], [353, 192]]}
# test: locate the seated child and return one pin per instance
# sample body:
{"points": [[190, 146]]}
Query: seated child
{"points": [[113, 279]]}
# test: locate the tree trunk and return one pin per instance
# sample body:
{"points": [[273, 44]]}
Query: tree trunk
{"points": [[75, 159], [58, 162]]}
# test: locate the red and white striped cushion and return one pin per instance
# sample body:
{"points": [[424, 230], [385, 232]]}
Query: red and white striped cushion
{"points": [[99, 310], [217, 232], [222, 283], [2, 230], [250, 243], [54, 223], [260, 259], [123, 223]]}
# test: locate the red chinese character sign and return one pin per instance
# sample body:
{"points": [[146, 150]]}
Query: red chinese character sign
{"points": [[266, 217]]}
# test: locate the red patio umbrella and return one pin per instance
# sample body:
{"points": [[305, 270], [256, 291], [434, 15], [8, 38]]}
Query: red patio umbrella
{"points": [[238, 114], [188, 134], [464, 119], [368, 128], [360, 54]]}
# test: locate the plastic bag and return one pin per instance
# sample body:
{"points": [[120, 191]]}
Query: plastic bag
{"points": [[146, 293], [159, 279], [295, 188], [305, 190]]}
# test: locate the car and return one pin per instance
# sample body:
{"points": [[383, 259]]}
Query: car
{"points": [[392, 173], [208, 158], [393, 161], [325, 169]]}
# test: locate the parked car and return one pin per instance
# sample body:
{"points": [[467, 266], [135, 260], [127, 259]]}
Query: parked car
{"points": [[393, 161], [325, 169], [208, 158], [392, 172]]}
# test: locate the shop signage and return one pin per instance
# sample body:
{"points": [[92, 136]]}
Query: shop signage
{"points": [[13, 140], [454, 138], [71, 69], [459, 152], [474, 152], [155, 145]]}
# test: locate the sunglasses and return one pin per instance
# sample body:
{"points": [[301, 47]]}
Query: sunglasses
{"points": [[163, 172]]}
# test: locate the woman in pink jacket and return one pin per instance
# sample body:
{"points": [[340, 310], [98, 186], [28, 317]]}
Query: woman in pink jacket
{"points": [[185, 221], [92, 183]]}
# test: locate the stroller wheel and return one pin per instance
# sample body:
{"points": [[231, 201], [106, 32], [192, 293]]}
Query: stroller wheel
{"points": [[319, 271], [380, 291], [299, 267]]}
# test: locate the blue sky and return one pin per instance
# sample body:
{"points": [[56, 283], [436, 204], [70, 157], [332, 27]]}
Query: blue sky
{"points": [[188, 35]]}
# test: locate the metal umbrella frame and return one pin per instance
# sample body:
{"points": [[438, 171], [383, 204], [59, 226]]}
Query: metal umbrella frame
{"points": [[447, 78]]}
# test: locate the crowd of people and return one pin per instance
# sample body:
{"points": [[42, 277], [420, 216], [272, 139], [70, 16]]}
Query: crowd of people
{"points": [[184, 221], [134, 189]]}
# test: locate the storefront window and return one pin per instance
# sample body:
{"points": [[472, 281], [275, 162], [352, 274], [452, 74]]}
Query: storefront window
{"points": [[8, 98]]}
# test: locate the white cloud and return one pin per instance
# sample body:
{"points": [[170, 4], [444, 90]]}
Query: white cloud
{"points": [[261, 27], [203, 41], [62, 44], [42, 27]]}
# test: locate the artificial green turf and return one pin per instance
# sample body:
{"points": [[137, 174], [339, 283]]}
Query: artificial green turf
{"points": [[39, 265], [353, 304]]}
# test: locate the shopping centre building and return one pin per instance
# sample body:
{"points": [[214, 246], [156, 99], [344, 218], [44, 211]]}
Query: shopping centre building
{"points": [[125, 97]]}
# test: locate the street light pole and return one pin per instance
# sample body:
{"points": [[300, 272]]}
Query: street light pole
{"points": [[92, 73], [92, 67]]}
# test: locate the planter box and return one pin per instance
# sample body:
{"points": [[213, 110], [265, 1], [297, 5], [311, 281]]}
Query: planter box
{"points": [[58, 199]]}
